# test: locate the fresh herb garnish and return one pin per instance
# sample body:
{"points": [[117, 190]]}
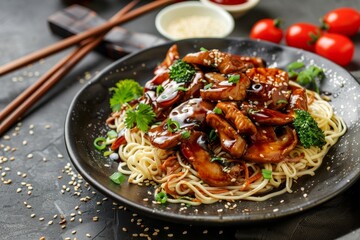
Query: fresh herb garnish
{"points": [[307, 129], [281, 101], [185, 134], [112, 134], [207, 86], [203, 49], [100, 143], [125, 91], [161, 197], [172, 125], [180, 88], [267, 174], [141, 117], [212, 135], [234, 78], [118, 177], [182, 72], [159, 90], [217, 110], [293, 67], [218, 159], [309, 77]]}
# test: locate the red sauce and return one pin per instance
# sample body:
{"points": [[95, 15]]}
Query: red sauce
{"points": [[229, 2]]}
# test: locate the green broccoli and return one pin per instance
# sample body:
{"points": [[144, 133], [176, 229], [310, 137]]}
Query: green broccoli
{"points": [[182, 72], [307, 129]]}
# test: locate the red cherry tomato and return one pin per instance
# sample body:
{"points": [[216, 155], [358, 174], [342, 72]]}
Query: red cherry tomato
{"points": [[345, 21], [267, 29], [338, 48], [302, 35]]}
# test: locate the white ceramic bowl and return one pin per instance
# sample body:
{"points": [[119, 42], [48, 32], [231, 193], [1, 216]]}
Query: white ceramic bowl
{"points": [[235, 10], [192, 20]]}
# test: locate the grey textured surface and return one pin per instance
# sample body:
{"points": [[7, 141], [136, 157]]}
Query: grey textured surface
{"points": [[35, 159]]}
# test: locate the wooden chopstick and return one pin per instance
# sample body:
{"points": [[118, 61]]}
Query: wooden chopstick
{"points": [[70, 41], [20, 99], [24, 101]]}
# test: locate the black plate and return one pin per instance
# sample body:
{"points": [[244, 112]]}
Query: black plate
{"points": [[88, 111]]}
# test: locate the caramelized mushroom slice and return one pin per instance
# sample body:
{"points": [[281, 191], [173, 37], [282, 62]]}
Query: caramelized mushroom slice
{"points": [[269, 117], [224, 62], [225, 90], [251, 62], [211, 172], [241, 122], [298, 99], [189, 115], [269, 87], [231, 142], [271, 150]]}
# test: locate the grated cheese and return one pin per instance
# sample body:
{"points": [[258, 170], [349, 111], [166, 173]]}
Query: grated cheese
{"points": [[196, 26]]}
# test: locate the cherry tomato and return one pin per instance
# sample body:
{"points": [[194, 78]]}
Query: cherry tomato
{"points": [[302, 35], [338, 48], [267, 29], [345, 21]]}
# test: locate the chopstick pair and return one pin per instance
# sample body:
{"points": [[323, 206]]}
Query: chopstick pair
{"points": [[88, 41]]}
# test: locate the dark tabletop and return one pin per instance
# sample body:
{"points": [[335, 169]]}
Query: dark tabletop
{"points": [[42, 195]]}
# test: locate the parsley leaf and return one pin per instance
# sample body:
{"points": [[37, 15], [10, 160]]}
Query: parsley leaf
{"points": [[125, 91], [141, 117]]}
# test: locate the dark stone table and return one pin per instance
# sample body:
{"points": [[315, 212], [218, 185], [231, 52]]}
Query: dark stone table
{"points": [[41, 194]]}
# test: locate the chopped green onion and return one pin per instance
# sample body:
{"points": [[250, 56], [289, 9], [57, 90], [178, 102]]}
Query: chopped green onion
{"points": [[207, 86], [161, 197], [118, 177], [219, 159], [182, 89], [185, 134], [217, 110], [234, 78], [281, 101], [100, 143], [159, 90], [173, 126], [295, 66], [266, 173], [107, 153], [203, 49], [212, 135], [112, 134]]}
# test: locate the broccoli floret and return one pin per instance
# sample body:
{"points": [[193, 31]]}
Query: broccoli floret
{"points": [[182, 72], [307, 129]]}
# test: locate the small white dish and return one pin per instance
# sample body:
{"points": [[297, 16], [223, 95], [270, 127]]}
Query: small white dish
{"points": [[237, 10], [193, 20]]}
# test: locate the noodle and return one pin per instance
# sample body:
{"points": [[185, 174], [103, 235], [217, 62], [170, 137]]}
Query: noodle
{"points": [[142, 161]]}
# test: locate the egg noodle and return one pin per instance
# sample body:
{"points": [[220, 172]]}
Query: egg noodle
{"points": [[143, 162]]}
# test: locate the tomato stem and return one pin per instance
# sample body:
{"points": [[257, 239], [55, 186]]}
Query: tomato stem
{"points": [[278, 22]]}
